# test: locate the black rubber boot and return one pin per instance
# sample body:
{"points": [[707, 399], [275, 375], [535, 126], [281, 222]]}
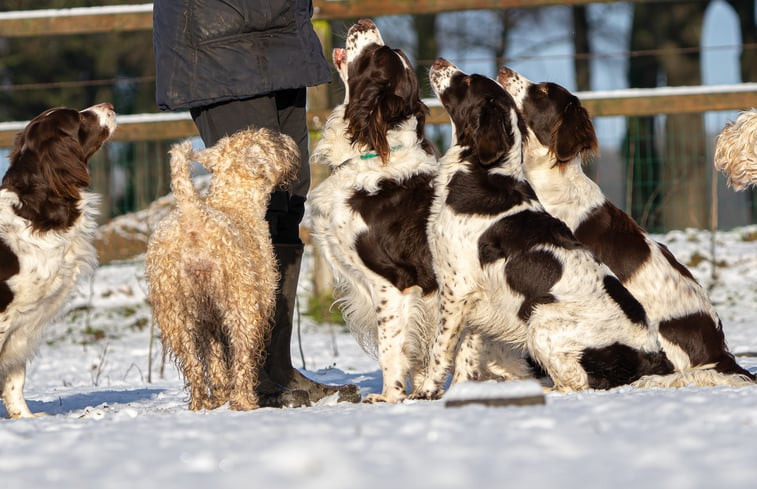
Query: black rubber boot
{"points": [[278, 371]]}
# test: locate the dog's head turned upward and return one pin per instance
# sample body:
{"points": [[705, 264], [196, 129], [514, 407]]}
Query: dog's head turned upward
{"points": [[382, 89], [562, 126], [49, 163], [485, 121]]}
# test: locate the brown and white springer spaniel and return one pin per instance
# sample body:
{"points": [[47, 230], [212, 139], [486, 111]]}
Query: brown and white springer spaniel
{"points": [[560, 136], [47, 221], [512, 272], [369, 216]]}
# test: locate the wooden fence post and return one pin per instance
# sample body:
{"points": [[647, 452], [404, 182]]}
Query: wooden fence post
{"points": [[318, 99]]}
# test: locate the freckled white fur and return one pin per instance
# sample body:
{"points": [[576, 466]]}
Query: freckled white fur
{"points": [[568, 194], [401, 343], [51, 263], [399, 335], [555, 334]]}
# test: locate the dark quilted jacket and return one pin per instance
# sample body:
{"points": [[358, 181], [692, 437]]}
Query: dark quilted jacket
{"points": [[209, 51]]}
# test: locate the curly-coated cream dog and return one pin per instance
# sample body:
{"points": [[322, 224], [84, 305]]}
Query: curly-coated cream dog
{"points": [[211, 269], [736, 151]]}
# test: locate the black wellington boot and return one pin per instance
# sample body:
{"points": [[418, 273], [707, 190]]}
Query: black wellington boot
{"points": [[278, 368]]}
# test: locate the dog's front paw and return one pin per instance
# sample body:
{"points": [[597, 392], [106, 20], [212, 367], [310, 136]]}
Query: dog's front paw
{"points": [[391, 398], [374, 398], [426, 395], [30, 415]]}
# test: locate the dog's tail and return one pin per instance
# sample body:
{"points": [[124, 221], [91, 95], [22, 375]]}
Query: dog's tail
{"points": [[700, 376], [181, 183]]}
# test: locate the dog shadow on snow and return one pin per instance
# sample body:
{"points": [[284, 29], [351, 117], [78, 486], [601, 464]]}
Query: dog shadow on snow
{"points": [[85, 402]]}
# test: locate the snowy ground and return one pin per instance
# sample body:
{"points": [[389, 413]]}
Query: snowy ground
{"points": [[110, 427]]}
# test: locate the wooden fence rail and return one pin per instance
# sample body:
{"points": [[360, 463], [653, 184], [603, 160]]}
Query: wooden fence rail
{"points": [[631, 102], [146, 127], [123, 18]]}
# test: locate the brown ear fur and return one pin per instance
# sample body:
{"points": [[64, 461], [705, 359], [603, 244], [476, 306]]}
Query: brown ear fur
{"points": [[574, 134], [492, 143]]}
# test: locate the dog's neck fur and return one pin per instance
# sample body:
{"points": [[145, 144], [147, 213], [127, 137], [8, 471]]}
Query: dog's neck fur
{"points": [[237, 197], [563, 189], [335, 150]]}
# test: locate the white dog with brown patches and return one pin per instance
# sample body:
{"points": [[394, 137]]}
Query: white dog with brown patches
{"points": [[511, 272], [560, 136], [369, 216], [47, 222]]}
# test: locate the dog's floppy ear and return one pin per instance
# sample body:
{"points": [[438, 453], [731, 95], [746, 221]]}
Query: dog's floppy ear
{"points": [[574, 133], [390, 109], [491, 142]]}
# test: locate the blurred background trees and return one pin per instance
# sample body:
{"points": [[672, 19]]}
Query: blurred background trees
{"points": [[665, 168]]}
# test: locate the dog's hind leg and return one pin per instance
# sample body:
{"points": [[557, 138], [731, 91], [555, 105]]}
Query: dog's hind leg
{"points": [[177, 323], [392, 350], [216, 352], [247, 346], [479, 358], [558, 356], [13, 392]]}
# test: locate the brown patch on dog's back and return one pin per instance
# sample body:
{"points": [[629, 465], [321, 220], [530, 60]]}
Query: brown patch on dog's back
{"points": [[478, 192], [631, 307], [533, 274], [395, 244], [615, 239], [523, 231]]}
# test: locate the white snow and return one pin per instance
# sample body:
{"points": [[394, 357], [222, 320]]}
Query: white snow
{"points": [[463, 391], [110, 428]]}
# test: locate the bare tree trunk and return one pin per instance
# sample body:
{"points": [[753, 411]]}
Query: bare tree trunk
{"points": [[581, 48], [746, 12], [99, 166], [321, 97], [500, 47], [640, 145], [686, 171], [427, 49]]}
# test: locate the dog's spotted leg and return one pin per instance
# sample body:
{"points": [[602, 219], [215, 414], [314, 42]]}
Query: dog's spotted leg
{"points": [[468, 358], [395, 365], [13, 393], [445, 344]]}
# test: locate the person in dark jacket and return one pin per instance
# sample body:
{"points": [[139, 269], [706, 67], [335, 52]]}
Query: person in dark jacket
{"points": [[240, 63]]}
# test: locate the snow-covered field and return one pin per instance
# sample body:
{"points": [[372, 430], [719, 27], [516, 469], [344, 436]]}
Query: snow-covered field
{"points": [[116, 422]]}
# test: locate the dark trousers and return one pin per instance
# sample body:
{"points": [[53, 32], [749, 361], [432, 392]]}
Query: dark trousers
{"points": [[283, 111]]}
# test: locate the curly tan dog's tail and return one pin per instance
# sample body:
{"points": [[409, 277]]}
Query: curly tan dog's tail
{"points": [[181, 183]]}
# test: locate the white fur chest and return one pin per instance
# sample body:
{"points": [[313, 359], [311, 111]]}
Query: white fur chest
{"points": [[566, 193], [50, 263]]}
